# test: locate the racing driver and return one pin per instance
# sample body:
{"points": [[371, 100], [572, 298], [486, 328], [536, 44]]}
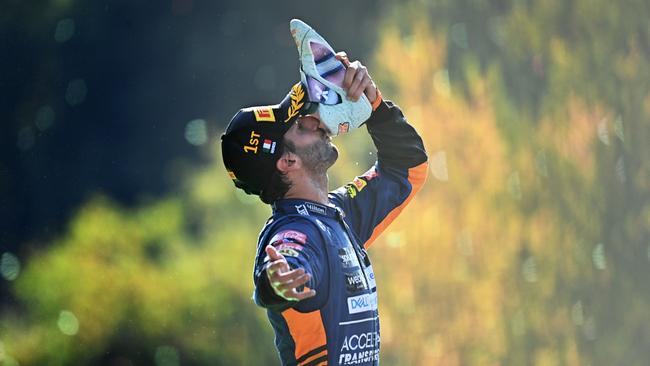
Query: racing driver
{"points": [[312, 271]]}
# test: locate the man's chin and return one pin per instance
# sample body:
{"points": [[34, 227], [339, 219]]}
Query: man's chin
{"points": [[334, 154]]}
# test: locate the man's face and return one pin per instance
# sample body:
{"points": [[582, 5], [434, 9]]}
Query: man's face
{"points": [[308, 139]]}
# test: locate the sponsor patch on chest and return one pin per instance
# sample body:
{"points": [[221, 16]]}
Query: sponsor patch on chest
{"points": [[355, 282], [361, 303], [348, 257]]}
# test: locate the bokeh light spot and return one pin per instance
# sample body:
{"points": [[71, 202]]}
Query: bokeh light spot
{"points": [[44, 118], [8, 361], [620, 170], [540, 162], [439, 166], [76, 92], [603, 134], [577, 314], [68, 323], [618, 128], [265, 78], [598, 256], [464, 243], [394, 239], [9, 266], [529, 270], [196, 132], [518, 324], [441, 82], [5, 359], [166, 356], [514, 185], [497, 30], [590, 329], [459, 35], [64, 30], [26, 138]]}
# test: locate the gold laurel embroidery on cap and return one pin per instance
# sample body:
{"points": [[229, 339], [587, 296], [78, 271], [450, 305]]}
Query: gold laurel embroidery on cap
{"points": [[296, 101]]}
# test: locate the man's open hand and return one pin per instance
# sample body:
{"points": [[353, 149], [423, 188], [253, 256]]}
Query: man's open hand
{"points": [[284, 280]]}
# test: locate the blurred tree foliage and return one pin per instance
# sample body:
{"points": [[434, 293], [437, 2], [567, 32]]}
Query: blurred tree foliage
{"points": [[529, 245]]}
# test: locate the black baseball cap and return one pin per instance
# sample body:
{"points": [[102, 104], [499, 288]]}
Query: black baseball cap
{"points": [[252, 142]]}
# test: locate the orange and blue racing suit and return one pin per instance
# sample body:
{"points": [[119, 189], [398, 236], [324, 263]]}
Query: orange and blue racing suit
{"points": [[340, 324]]}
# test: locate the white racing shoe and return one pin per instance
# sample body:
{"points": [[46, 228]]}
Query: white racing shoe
{"points": [[323, 74]]}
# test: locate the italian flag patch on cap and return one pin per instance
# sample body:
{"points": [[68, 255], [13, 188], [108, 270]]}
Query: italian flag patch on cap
{"points": [[268, 146]]}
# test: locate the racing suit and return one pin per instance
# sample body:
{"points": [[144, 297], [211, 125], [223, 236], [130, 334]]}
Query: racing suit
{"points": [[340, 324]]}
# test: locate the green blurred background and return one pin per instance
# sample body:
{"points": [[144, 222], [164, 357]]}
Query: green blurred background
{"points": [[123, 242]]}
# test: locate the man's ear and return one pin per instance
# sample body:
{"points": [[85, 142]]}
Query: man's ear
{"points": [[288, 162]]}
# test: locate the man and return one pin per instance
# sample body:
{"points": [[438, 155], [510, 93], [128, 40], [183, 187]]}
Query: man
{"points": [[312, 272]]}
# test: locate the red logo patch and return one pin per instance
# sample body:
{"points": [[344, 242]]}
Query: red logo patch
{"points": [[264, 114], [359, 183], [291, 235], [344, 128]]}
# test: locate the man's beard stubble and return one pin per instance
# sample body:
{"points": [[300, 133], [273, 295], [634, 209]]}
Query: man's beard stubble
{"points": [[318, 157]]}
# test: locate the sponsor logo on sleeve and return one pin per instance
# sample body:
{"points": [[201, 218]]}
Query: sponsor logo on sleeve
{"points": [[354, 187], [361, 303], [289, 236], [359, 183], [289, 249], [352, 191]]}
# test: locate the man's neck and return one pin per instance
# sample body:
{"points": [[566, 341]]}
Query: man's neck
{"points": [[312, 188]]}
